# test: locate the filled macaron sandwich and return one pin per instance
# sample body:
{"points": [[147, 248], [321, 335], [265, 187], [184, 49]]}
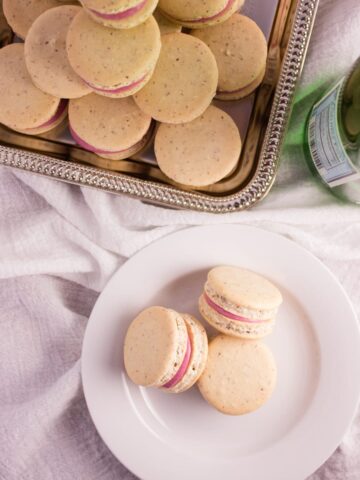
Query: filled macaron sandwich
{"points": [[239, 302], [120, 13], [23, 106], [113, 128], [112, 62], [165, 349], [240, 49]]}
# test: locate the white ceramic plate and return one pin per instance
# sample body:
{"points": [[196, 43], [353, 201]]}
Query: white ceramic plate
{"points": [[316, 344]]}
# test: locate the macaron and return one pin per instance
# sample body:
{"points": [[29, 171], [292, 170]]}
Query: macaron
{"points": [[165, 349], [120, 13], [200, 152], [240, 375], [166, 25], [240, 49], [199, 14], [239, 302], [24, 107], [46, 56], [114, 63], [21, 14], [113, 128], [184, 80]]}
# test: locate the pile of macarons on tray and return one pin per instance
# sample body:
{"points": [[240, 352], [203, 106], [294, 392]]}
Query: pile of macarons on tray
{"points": [[235, 372], [114, 69]]}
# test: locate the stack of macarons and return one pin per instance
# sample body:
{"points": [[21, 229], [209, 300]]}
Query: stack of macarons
{"points": [[236, 372], [240, 374], [96, 54]]}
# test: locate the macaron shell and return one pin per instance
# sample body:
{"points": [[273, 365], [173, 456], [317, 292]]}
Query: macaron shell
{"points": [[112, 125], [234, 328], [183, 83], [200, 152], [22, 104], [109, 58], [243, 92], [155, 345], [166, 26], [239, 377], [128, 22], [20, 14], [245, 288], [46, 56], [199, 343], [240, 49], [199, 14]]}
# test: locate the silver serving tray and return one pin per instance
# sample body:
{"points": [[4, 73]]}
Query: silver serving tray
{"points": [[55, 156]]}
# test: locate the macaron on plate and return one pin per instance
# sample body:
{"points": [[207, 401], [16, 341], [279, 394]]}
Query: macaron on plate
{"points": [[151, 394]]}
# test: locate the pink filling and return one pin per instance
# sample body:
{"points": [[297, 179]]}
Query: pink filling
{"points": [[59, 112], [227, 314], [89, 147], [120, 15], [214, 17], [183, 367], [116, 90]]}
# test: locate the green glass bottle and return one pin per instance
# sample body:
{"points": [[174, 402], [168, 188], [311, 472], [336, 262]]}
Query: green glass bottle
{"points": [[333, 137]]}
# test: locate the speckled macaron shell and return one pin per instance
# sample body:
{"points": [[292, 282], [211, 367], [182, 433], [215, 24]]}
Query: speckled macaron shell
{"points": [[239, 377], [166, 25], [199, 14], [240, 49], [112, 128], [125, 16], [242, 92], [231, 292], [113, 62], [201, 152], [20, 14], [46, 56], [199, 352], [22, 105], [183, 83], [155, 346]]}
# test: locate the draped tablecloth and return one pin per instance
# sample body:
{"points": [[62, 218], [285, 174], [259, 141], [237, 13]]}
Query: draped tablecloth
{"points": [[60, 244]]}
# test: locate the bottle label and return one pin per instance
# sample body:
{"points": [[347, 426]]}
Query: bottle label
{"points": [[326, 148]]}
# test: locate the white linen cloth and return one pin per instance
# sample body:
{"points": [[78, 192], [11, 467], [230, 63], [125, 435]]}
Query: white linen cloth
{"points": [[60, 245]]}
